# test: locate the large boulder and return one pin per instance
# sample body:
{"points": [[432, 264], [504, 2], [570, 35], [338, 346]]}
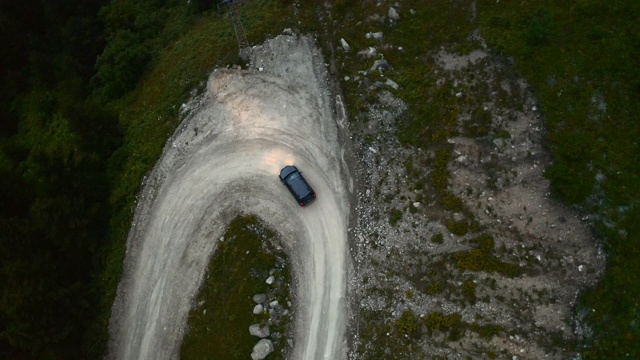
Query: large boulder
{"points": [[261, 332], [263, 348]]}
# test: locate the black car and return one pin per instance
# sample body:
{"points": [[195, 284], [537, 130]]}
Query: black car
{"points": [[292, 178]]}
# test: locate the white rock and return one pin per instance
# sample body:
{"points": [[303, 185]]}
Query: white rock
{"points": [[368, 53], [393, 14], [261, 332], [459, 95], [374, 35], [346, 78], [259, 298], [392, 84], [416, 204], [344, 44], [270, 280], [274, 303], [263, 348], [580, 268], [373, 150], [258, 309]]}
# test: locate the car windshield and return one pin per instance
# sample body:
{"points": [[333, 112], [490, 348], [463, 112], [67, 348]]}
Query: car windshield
{"points": [[292, 177]]}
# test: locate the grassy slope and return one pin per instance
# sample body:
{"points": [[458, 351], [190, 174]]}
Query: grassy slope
{"points": [[579, 56], [149, 115], [218, 325]]}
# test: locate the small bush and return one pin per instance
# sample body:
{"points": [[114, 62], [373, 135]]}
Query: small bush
{"points": [[407, 323], [469, 291], [451, 202], [459, 228], [395, 216], [441, 322], [437, 238], [481, 259], [434, 288]]}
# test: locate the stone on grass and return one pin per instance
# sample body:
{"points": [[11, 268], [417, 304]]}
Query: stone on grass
{"points": [[258, 309], [263, 348], [270, 280], [344, 44], [261, 332], [393, 14], [374, 35], [368, 53], [259, 298], [381, 65], [392, 84]]}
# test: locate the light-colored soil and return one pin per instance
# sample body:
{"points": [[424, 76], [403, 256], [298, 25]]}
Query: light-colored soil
{"points": [[223, 160]]}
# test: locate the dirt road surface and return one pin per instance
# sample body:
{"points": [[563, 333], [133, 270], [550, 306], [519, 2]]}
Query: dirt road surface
{"points": [[223, 160]]}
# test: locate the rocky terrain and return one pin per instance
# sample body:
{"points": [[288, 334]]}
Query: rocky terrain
{"points": [[455, 249], [494, 270]]}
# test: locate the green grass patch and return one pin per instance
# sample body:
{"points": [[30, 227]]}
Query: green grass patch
{"points": [[481, 258], [583, 62], [218, 325]]}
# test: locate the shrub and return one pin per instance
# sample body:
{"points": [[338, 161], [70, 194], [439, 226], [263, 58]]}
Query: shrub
{"points": [[395, 216], [407, 323], [437, 238], [451, 202], [481, 259], [459, 228], [441, 322], [469, 291], [434, 288]]}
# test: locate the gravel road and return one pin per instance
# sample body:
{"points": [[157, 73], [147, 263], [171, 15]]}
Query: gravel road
{"points": [[224, 160]]}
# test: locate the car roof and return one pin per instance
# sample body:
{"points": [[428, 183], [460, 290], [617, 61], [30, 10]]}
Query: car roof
{"points": [[300, 187]]}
